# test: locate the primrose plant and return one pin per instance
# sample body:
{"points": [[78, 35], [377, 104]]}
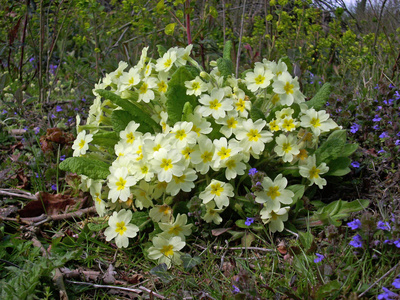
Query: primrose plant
{"points": [[167, 146]]}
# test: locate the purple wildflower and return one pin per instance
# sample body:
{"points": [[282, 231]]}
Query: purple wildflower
{"points": [[383, 225], [354, 128], [54, 187], [319, 258], [397, 243], [377, 118], [375, 127], [4, 112], [253, 171], [83, 99], [397, 142], [376, 87], [62, 157], [355, 224], [397, 95], [37, 130], [378, 108], [355, 164], [386, 295], [396, 283], [381, 151], [235, 289], [356, 242], [249, 221], [58, 108]]}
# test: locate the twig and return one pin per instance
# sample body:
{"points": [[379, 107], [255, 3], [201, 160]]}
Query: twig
{"points": [[105, 286], [240, 39], [376, 282], [245, 248], [151, 292], [17, 193]]}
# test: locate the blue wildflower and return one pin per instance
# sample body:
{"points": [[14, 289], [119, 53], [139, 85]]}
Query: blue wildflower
{"points": [[377, 118], [355, 224], [397, 243], [381, 151], [54, 187], [249, 221], [58, 108], [397, 142], [387, 294], [375, 127], [354, 128], [356, 242], [319, 258], [235, 289], [383, 225], [253, 171], [62, 157], [396, 283], [355, 164], [397, 95]]}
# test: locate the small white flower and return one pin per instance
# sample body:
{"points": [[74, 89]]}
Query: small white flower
{"points": [[166, 250], [120, 228], [119, 183], [196, 86], [178, 228], [252, 136], [275, 219], [318, 121], [167, 61], [167, 164], [185, 182], [81, 144], [215, 104], [286, 147], [219, 192], [212, 214], [312, 172], [259, 79]]}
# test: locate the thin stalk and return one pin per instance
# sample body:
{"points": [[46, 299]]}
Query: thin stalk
{"points": [[40, 62], [187, 12], [23, 40], [240, 40]]}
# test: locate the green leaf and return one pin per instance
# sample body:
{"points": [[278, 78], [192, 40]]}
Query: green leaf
{"points": [[338, 134], [339, 166], [106, 139], [306, 239], [298, 190], [147, 124], [228, 50], [161, 50], [349, 149], [288, 63], [329, 150], [190, 262], [328, 289], [256, 114], [170, 28], [161, 271], [322, 96], [225, 66], [120, 119], [176, 94], [94, 169], [187, 110], [96, 227]]}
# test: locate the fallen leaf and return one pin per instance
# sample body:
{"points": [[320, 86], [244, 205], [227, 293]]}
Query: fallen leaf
{"points": [[48, 204], [219, 231]]}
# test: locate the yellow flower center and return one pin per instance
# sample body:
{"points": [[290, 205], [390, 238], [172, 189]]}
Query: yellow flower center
{"points": [[253, 135], [156, 148], [231, 122], [273, 126], [231, 164], [240, 105], [130, 138], [215, 104], [315, 122], [120, 184], [162, 87], [288, 124], [98, 200], [175, 230], [206, 156], [180, 179], [186, 152], [180, 134], [82, 143], [224, 153], [167, 250], [131, 81], [121, 228], [273, 192], [288, 88], [166, 164], [196, 129], [195, 86], [216, 189], [314, 172], [303, 154], [168, 63], [165, 209], [143, 88], [144, 169], [274, 216], [286, 147], [259, 79]]}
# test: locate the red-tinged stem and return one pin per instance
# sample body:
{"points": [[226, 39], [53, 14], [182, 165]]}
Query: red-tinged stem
{"points": [[188, 22]]}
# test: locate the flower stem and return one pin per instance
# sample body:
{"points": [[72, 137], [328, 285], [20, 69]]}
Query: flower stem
{"points": [[187, 12]]}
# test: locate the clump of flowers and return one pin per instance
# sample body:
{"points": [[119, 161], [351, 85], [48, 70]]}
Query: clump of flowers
{"points": [[165, 132]]}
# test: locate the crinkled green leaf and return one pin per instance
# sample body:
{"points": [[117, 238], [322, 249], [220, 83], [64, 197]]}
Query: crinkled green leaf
{"points": [[106, 139], [147, 124], [321, 97], [190, 262], [161, 271], [94, 169], [349, 149], [228, 50], [288, 63], [225, 66], [256, 114], [306, 239], [328, 289], [329, 150], [176, 95], [187, 110], [120, 119], [339, 166], [338, 134], [298, 190], [170, 28], [161, 50]]}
